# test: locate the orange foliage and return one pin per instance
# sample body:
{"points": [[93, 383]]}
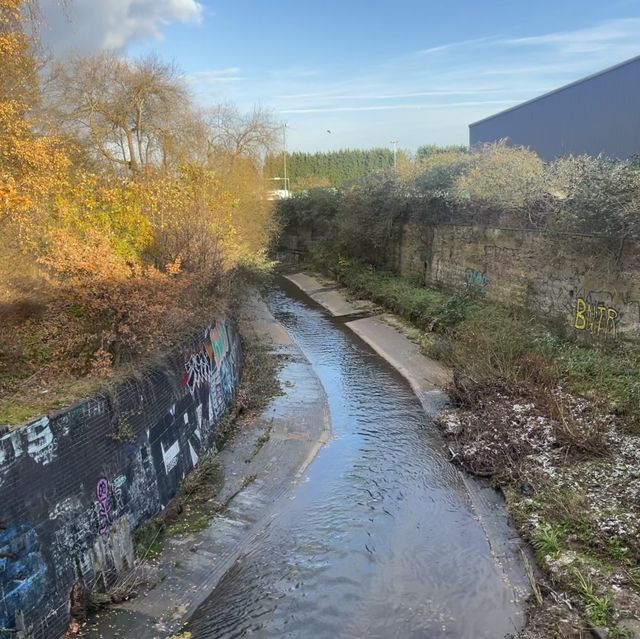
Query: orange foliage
{"points": [[99, 270], [30, 166]]}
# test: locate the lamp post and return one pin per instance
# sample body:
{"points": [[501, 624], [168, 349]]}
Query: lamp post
{"points": [[395, 154], [284, 156]]}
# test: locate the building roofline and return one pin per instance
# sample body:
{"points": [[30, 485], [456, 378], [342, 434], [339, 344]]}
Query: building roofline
{"points": [[558, 90]]}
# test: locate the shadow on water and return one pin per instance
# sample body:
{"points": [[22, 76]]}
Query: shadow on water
{"points": [[379, 538]]}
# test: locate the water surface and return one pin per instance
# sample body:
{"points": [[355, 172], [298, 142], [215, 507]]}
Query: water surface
{"points": [[379, 538]]}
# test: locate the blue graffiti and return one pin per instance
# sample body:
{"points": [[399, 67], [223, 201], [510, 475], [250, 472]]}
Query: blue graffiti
{"points": [[23, 573], [476, 280]]}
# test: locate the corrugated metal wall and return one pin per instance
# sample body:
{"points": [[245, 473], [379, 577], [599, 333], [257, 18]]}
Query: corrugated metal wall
{"points": [[600, 114]]}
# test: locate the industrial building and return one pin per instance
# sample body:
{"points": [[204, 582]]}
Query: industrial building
{"points": [[599, 114]]}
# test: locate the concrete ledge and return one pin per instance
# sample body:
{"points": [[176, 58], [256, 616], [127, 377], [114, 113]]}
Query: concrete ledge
{"points": [[330, 295]]}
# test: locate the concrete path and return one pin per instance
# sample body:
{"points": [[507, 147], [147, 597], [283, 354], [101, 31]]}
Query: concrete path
{"points": [[422, 373], [191, 565]]}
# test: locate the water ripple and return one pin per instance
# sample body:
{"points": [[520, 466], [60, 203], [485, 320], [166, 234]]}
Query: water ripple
{"points": [[381, 541]]}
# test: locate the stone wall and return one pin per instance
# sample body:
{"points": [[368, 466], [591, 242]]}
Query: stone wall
{"points": [[75, 485], [573, 279]]}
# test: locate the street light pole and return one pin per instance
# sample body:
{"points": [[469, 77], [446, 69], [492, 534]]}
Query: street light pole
{"points": [[395, 154], [284, 155]]}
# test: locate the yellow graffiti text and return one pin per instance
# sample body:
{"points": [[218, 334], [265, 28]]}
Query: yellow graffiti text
{"points": [[596, 318]]}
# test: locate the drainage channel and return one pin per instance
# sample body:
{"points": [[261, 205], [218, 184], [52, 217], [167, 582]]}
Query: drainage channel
{"points": [[380, 538]]}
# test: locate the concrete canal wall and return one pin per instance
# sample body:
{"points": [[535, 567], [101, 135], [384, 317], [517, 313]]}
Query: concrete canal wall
{"points": [[76, 484], [573, 279]]}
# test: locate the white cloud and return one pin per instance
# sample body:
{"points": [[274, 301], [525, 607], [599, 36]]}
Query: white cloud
{"points": [[428, 95], [87, 26], [452, 45], [397, 107]]}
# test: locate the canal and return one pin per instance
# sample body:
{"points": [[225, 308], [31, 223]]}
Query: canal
{"points": [[379, 539]]}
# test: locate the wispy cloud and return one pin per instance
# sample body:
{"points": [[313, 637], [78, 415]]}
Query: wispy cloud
{"points": [[593, 39], [452, 45], [295, 72], [215, 76], [431, 94], [392, 96], [397, 107]]}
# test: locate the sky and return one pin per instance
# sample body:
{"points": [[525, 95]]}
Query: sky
{"points": [[360, 73]]}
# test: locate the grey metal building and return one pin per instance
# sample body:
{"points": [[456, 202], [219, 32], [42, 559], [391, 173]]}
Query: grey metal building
{"points": [[598, 114]]}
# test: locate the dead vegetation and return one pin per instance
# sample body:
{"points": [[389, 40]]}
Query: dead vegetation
{"points": [[571, 476]]}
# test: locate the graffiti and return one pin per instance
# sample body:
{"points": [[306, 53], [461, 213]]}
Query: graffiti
{"points": [[23, 574], [170, 456], [597, 319], [41, 445], [198, 370], [104, 510], [219, 341], [476, 280], [116, 486], [61, 521]]}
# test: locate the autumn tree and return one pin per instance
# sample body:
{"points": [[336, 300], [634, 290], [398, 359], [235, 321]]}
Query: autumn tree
{"points": [[30, 165]]}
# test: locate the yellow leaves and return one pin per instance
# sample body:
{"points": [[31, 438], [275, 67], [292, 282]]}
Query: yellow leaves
{"points": [[10, 10], [82, 258]]}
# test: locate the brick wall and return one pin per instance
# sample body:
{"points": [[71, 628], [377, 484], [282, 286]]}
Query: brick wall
{"points": [[74, 485], [568, 278]]}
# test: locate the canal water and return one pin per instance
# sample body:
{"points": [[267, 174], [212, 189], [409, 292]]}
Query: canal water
{"points": [[379, 538]]}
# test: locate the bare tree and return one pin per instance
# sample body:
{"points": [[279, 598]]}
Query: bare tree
{"points": [[127, 111], [234, 135]]}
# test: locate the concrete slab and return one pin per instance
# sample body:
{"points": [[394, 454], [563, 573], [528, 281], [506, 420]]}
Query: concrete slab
{"points": [[330, 295], [422, 373]]}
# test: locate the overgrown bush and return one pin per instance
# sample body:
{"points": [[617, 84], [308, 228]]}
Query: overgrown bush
{"points": [[438, 174], [367, 224], [596, 196], [494, 184], [503, 177]]}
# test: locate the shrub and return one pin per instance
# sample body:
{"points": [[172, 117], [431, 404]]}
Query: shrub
{"points": [[598, 196], [369, 216], [507, 178], [439, 173]]}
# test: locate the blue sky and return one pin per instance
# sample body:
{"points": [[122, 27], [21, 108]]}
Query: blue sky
{"points": [[369, 72]]}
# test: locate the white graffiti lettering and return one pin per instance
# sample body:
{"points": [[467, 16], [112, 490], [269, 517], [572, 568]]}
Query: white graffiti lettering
{"points": [[40, 443]]}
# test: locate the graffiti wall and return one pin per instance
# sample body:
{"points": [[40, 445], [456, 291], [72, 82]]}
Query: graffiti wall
{"points": [[572, 280], [74, 485]]}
